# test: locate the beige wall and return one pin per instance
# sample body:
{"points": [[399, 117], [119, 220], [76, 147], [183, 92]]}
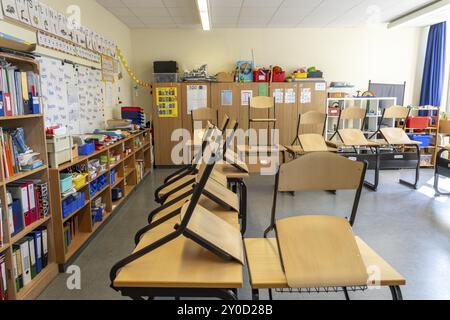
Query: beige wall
{"points": [[96, 18], [353, 55]]}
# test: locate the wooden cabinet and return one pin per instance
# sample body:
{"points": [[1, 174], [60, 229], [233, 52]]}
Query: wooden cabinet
{"points": [[186, 116], [286, 110]]}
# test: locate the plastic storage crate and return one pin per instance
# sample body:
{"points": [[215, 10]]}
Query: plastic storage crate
{"points": [[425, 139], [112, 176], [165, 77], [97, 185], [72, 204], [86, 149], [65, 182], [59, 143], [59, 157]]}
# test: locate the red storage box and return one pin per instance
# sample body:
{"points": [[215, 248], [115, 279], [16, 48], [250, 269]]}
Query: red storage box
{"points": [[418, 122], [279, 77], [261, 76]]}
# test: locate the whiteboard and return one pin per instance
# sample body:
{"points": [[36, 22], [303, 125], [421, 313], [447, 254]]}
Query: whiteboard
{"points": [[72, 96]]}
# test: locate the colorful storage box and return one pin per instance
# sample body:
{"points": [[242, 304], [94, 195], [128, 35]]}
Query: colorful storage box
{"points": [[279, 77], [86, 149], [425, 139], [418, 122], [72, 204], [65, 182]]}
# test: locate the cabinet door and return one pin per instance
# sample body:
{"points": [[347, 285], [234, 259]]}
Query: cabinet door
{"points": [[312, 96], [186, 115], [164, 126], [286, 106]]}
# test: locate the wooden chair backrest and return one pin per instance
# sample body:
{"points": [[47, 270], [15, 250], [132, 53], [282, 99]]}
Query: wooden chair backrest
{"points": [[321, 171], [353, 113], [262, 102], [313, 143], [396, 112], [205, 114], [312, 122]]}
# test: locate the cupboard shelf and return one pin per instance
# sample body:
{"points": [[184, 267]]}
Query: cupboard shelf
{"points": [[86, 228]]}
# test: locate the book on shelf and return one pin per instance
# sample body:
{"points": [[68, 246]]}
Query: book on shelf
{"points": [[17, 156], [30, 257], [19, 91], [3, 280], [70, 232], [2, 236], [28, 202]]}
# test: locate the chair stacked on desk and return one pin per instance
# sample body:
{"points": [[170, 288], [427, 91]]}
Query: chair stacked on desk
{"points": [[317, 253], [175, 254]]}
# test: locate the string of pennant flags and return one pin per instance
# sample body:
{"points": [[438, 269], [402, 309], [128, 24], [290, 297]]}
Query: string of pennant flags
{"points": [[130, 73]]}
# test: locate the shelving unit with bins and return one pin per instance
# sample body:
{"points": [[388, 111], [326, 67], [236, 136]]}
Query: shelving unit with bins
{"points": [[125, 178], [33, 125], [374, 104], [428, 153]]}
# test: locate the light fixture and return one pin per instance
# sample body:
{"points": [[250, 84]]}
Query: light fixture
{"points": [[433, 13], [203, 8]]}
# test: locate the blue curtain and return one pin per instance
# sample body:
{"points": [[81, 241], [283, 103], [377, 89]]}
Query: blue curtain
{"points": [[434, 70]]}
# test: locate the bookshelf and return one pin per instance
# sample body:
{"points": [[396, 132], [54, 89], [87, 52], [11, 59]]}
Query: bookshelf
{"points": [[34, 130], [127, 178]]}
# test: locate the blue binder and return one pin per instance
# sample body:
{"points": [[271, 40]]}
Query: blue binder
{"points": [[2, 108], [17, 216], [37, 239]]}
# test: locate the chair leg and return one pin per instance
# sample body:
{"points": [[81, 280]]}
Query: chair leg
{"points": [[396, 293], [347, 297], [255, 294], [270, 295]]}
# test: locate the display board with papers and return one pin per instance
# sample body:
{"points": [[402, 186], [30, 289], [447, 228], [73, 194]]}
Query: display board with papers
{"points": [[72, 96]]}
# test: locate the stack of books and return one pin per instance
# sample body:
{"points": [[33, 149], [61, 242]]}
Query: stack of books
{"points": [[30, 257], [28, 202], [3, 280], [19, 92], [17, 156]]}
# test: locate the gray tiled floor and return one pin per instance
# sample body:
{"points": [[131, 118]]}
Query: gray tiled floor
{"points": [[410, 229]]}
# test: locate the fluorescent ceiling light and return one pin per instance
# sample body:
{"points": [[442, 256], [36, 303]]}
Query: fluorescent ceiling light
{"points": [[204, 14], [433, 13]]}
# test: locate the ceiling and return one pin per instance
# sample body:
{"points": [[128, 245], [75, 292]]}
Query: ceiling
{"points": [[261, 13]]}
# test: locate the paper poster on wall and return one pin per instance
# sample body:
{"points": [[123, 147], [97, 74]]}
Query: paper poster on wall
{"points": [[278, 95], [35, 14], [197, 97], [289, 97], [167, 102], [305, 96], [262, 89], [22, 11], [226, 98], [246, 95], [107, 69], [109, 94], [10, 9], [321, 86]]}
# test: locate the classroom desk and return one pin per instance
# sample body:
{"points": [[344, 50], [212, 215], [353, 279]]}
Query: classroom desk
{"points": [[255, 151], [181, 267]]}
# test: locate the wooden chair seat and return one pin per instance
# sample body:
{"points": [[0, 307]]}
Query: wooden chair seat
{"points": [[397, 136], [234, 158], [229, 216], [231, 172], [266, 271], [298, 150], [222, 194], [215, 231], [172, 186], [319, 251], [355, 137]]}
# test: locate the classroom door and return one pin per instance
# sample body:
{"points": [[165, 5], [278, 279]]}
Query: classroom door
{"points": [[167, 117], [286, 105]]}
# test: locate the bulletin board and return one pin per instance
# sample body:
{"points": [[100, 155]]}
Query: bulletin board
{"points": [[72, 96]]}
